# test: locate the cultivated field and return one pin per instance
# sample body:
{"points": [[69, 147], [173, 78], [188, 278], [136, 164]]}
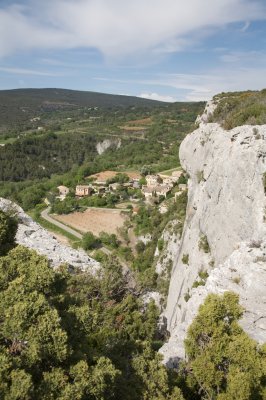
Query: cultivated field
{"points": [[94, 220], [104, 175]]}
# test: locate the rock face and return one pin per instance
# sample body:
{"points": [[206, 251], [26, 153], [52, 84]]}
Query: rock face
{"points": [[32, 235], [226, 210], [101, 147], [170, 251]]}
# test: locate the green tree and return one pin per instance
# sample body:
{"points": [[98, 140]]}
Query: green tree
{"points": [[89, 241], [153, 377], [8, 229], [224, 362]]}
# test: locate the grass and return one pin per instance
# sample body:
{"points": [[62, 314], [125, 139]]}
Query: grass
{"points": [[8, 140]]}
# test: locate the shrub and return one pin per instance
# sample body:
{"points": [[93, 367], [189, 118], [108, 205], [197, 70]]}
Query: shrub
{"points": [[89, 241], [203, 277], [8, 229], [185, 259], [236, 280], [223, 361], [200, 176], [241, 108], [160, 244], [187, 296], [203, 244]]}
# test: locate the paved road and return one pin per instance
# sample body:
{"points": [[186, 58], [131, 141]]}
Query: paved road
{"points": [[45, 215]]}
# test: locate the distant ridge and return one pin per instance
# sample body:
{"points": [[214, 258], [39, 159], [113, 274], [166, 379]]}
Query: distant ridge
{"points": [[18, 105]]}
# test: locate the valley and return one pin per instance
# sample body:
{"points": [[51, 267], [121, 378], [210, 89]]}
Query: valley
{"points": [[155, 253]]}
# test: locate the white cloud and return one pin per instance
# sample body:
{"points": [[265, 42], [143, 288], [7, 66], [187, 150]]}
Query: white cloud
{"points": [[118, 27], [197, 87], [205, 86], [23, 71], [159, 97]]}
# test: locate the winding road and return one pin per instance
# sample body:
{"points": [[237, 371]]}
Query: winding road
{"points": [[45, 215]]}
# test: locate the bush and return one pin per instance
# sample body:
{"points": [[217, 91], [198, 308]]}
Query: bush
{"points": [[160, 244], [109, 239], [8, 229], [203, 244], [200, 176], [240, 108], [224, 363], [89, 241], [185, 259]]}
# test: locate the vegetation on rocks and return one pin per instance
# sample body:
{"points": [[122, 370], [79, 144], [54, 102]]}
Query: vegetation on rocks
{"points": [[203, 244], [224, 363], [240, 108], [74, 336]]}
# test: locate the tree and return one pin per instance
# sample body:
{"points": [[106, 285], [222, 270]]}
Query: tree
{"points": [[224, 363], [154, 380], [8, 229], [89, 241]]}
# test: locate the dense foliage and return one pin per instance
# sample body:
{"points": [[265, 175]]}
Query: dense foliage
{"points": [[224, 362], [240, 108], [74, 336], [8, 228], [77, 336], [39, 157]]}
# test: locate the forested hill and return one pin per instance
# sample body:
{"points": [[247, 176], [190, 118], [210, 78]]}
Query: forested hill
{"points": [[19, 105]]}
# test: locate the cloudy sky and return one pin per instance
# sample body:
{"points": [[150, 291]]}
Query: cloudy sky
{"points": [[160, 49]]}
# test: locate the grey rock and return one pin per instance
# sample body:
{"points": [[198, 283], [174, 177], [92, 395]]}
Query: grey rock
{"points": [[32, 235], [226, 203]]}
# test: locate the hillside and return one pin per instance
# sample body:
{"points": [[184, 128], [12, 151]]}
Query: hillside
{"points": [[66, 333], [19, 106]]}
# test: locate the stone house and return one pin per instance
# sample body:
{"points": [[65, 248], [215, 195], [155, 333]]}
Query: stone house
{"points": [[83, 190], [152, 180], [63, 190], [114, 186], [168, 181], [152, 191]]}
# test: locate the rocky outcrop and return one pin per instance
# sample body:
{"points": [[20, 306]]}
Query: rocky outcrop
{"points": [[101, 147], [32, 235], [170, 252], [225, 231]]}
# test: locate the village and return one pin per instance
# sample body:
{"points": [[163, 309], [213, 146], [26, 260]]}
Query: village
{"points": [[153, 189]]}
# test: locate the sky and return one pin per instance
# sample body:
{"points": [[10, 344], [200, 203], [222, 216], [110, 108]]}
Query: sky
{"points": [[170, 50]]}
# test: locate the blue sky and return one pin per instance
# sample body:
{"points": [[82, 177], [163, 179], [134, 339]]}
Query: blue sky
{"points": [[160, 49]]}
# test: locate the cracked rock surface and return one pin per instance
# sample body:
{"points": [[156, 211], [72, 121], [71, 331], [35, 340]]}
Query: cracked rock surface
{"points": [[32, 235], [226, 206]]}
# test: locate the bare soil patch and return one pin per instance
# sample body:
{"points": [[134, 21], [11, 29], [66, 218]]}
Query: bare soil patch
{"points": [[94, 220], [143, 121], [105, 175], [136, 129]]}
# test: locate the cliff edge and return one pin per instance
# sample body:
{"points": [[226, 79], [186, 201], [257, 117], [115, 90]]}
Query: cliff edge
{"points": [[32, 235], [223, 245]]}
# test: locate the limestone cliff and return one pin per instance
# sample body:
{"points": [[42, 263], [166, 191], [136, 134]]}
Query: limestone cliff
{"points": [[101, 147], [224, 234], [32, 235]]}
